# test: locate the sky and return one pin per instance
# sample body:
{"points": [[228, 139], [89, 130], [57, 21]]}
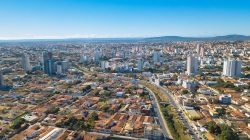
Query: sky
{"points": [[49, 19]]}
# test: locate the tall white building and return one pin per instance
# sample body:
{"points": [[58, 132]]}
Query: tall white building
{"points": [[26, 62], [84, 58], [97, 56], [1, 78], [140, 64], [156, 56], [59, 69], [192, 65], [65, 66], [113, 53], [232, 68], [198, 47], [202, 51], [104, 65]]}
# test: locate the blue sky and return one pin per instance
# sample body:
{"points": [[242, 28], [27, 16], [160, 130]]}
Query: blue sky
{"points": [[122, 18]]}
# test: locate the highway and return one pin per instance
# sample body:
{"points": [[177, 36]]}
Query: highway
{"points": [[182, 115], [162, 121]]}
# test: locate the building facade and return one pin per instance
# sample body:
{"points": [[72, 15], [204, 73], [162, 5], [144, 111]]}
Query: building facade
{"points": [[232, 68], [192, 65], [26, 63], [48, 63], [1, 78], [225, 99]]}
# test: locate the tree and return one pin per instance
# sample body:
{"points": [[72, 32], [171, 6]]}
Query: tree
{"points": [[106, 108], [127, 91], [101, 80], [107, 93], [72, 123], [105, 88], [87, 88], [2, 135], [17, 123], [52, 110], [228, 134], [184, 91], [221, 111], [214, 128], [95, 116], [175, 77]]}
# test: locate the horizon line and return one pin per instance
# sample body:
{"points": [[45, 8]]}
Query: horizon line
{"points": [[95, 37]]}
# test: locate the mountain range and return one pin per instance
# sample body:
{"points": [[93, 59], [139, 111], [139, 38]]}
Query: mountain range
{"points": [[160, 38], [216, 38]]}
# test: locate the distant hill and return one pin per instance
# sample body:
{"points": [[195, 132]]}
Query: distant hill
{"points": [[216, 38], [161, 38]]}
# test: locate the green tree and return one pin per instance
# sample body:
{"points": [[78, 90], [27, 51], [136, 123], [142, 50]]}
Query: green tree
{"points": [[214, 128], [184, 91], [228, 134], [95, 116], [53, 110], [88, 87], [221, 111], [17, 123], [107, 93]]}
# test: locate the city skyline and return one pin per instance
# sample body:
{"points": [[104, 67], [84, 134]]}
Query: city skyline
{"points": [[54, 19]]}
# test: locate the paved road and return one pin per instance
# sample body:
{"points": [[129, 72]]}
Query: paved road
{"points": [[162, 121], [116, 136], [183, 117]]}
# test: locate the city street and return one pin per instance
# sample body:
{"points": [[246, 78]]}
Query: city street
{"points": [[162, 121], [182, 115]]}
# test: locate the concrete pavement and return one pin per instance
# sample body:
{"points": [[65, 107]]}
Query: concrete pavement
{"points": [[162, 120], [185, 119]]}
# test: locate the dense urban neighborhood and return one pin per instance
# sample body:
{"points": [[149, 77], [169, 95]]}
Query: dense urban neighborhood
{"points": [[124, 89]]}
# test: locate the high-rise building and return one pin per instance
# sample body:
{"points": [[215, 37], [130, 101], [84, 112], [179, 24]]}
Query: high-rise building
{"points": [[125, 55], [232, 68], [65, 66], [104, 65], [140, 64], [192, 65], [48, 63], [113, 53], [84, 59], [156, 56], [202, 51], [97, 56], [198, 47], [26, 62], [58, 69], [1, 78]]}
